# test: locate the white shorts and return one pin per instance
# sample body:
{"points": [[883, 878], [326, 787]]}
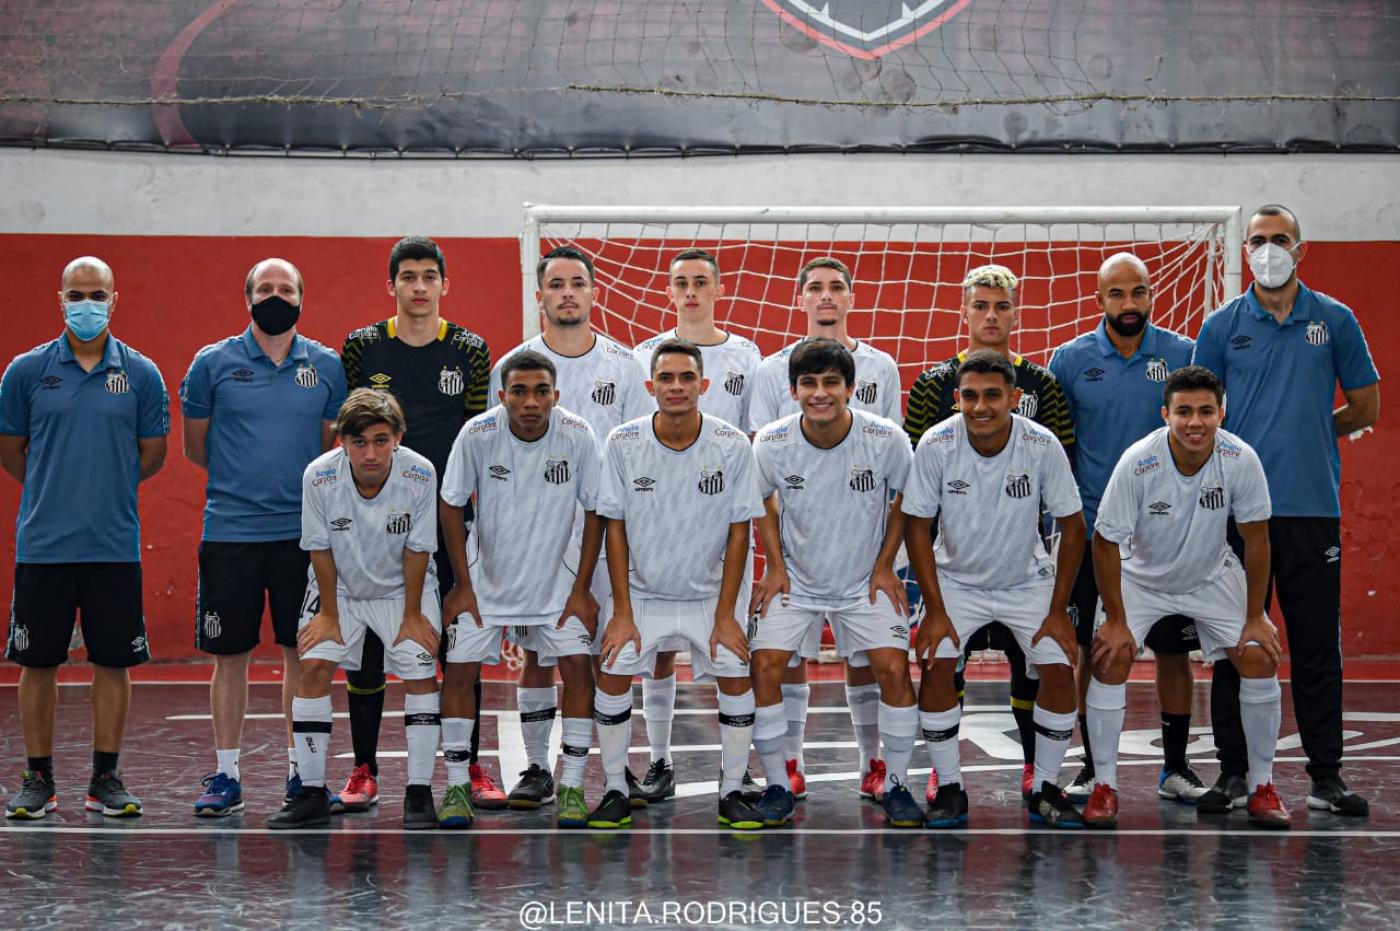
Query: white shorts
{"points": [[856, 627], [550, 642], [1218, 608], [409, 660], [1021, 609], [690, 622], [467, 643], [741, 607]]}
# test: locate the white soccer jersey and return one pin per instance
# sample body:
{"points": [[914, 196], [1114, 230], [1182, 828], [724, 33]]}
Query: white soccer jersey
{"points": [[1173, 525], [988, 507], [730, 366], [678, 504], [876, 389], [367, 536], [603, 386], [527, 496], [833, 502]]}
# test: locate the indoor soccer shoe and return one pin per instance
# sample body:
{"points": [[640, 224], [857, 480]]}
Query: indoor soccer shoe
{"points": [[35, 799], [1180, 785], [1266, 810], [535, 788], [658, 785], [775, 806], [739, 814], [310, 809], [1102, 810], [570, 808], [1082, 787], [797, 780], [1228, 792], [949, 807], [456, 811], [614, 811], [107, 794], [418, 811], [1331, 794], [360, 792], [872, 781], [485, 794], [222, 796], [931, 788], [1027, 782], [750, 789], [901, 811], [293, 787], [1050, 807]]}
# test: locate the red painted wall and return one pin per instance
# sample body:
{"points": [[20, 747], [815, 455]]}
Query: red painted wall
{"points": [[180, 293]]}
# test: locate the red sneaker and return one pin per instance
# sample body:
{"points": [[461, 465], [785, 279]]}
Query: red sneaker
{"points": [[931, 790], [360, 792], [485, 793], [872, 783], [1027, 782], [797, 780], [1102, 810], [1266, 811]]}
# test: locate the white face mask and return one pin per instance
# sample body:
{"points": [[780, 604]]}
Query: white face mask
{"points": [[1272, 265]]}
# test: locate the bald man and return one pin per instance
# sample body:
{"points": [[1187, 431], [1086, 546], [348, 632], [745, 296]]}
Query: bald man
{"points": [[1112, 378], [83, 420], [258, 407]]}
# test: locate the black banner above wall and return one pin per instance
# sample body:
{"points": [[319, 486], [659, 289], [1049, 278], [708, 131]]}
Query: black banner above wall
{"points": [[535, 78]]}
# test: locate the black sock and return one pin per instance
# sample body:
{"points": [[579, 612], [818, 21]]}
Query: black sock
{"points": [[1025, 724], [103, 762], [1088, 750], [366, 711], [43, 765], [476, 716], [1176, 730]]}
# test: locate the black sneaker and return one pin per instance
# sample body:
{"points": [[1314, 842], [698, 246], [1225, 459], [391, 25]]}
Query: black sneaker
{"points": [[1052, 808], [1082, 787], [107, 794], [738, 813], [419, 814], [1229, 792], [614, 811], [535, 788], [1331, 794], [751, 790], [658, 785], [35, 799], [949, 808], [311, 808]]}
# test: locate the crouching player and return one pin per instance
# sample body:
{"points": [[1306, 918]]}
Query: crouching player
{"points": [[1168, 503], [830, 535], [983, 473], [369, 520], [531, 465]]}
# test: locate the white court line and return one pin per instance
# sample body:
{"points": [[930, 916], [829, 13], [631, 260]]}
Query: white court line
{"points": [[13, 828], [705, 685]]}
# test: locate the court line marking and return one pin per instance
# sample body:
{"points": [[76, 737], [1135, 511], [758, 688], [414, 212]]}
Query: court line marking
{"points": [[705, 685], [15, 829]]}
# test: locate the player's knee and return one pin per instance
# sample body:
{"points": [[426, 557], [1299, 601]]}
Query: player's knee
{"points": [[422, 686], [576, 671], [1115, 671], [233, 662], [316, 677], [859, 675], [735, 685], [795, 675], [1174, 667], [460, 677], [611, 684], [1253, 663]]}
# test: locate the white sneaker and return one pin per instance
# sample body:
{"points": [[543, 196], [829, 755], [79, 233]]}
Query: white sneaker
{"points": [[1180, 785]]}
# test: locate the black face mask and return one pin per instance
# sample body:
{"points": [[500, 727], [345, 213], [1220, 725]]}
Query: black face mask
{"points": [[274, 316]]}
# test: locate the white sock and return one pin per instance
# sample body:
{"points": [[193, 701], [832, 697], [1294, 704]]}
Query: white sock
{"points": [[795, 701], [1052, 733], [769, 729], [736, 719], [228, 763], [291, 761], [1104, 706], [941, 731], [577, 741], [537, 710], [864, 702], [311, 728], [422, 727], [1260, 710], [456, 749], [898, 726], [613, 716], [659, 709]]}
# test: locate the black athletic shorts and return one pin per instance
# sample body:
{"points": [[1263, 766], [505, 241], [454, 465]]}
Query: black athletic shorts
{"points": [[1173, 634], [48, 599], [235, 581]]}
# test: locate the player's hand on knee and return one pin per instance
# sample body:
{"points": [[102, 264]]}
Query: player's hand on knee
{"points": [[1058, 627], [773, 585], [1112, 641], [1259, 629], [728, 632], [883, 579], [582, 605], [621, 630], [419, 629], [933, 629], [461, 600], [320, 628]]}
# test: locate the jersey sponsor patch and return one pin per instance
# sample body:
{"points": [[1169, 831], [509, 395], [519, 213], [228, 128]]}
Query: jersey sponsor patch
{"points": [[306, 376], [417, 473], [117, 382], [367, 334], [483, 424], [1147, 464]]}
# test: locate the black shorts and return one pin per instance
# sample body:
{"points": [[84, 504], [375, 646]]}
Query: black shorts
{"points": [[48, 599], [1173, 634], [235, 581]]}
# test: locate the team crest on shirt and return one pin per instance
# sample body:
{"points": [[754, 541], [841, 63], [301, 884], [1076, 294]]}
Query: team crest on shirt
{"points": [[604, 392], [711, 480], [866, 392], [734, 383], [1029, 404], [862, 479], [451, 381], [1316, 334], [1018, 485], [306, 376], [399, 522], [213, 626], [556, 471], [1212, 497], [117, 382], [1157, 370]]}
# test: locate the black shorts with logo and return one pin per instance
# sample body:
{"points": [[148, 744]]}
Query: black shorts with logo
{"points": [[1173, 634], [49, 598], [236, 580]]}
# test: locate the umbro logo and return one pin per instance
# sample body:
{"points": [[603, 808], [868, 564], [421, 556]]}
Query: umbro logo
{"points": [[1333, 553], [499, 472], [380, 380], [1094, 374], [243, 374], [643, 484], [794, 482], [1241, 342], [1159, 508], [958, 487], [341, 523], [50, 382]]}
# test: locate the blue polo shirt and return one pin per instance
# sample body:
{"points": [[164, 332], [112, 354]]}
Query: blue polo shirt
{"points": [[83, 465], [1114, 401], [264, 428], [1280, 384]]}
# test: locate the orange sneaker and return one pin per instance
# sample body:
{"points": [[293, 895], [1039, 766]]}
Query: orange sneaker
{"points": [[485, 793], [360, 792], [796, 780], [872, 783], [1266, 810], [931, 789], [1027, 782], [1102, 810]]}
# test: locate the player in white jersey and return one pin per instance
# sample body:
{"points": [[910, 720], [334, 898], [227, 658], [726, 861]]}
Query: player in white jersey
{"points": [[679, 492], [1167, 506], [598, 380], [369, 520], [830, 535], [693, 286], [530, 465], [826, 293], [983, 474]]}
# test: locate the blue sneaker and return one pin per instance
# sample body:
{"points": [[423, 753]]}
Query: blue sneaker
{"points": [[223, 796], [949, 808], [901, 811], [776, 805], [293, 787]]}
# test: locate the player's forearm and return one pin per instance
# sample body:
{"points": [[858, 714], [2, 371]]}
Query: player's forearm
{"points": [[1108, 572], [323, 564], [194, 436], [452, 520], [618, 567], [151, 455], [415, 571], [918, 542], [770, 537], [1362, 410], [14, 451], [736, 552], [588, 553], [894, 535], [1067, 560], [1257, 555]]}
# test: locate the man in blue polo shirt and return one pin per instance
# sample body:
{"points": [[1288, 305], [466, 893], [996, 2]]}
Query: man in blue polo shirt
{"points": [[1112, 377], [1282, 350], [83, 419], [258, 408]]}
